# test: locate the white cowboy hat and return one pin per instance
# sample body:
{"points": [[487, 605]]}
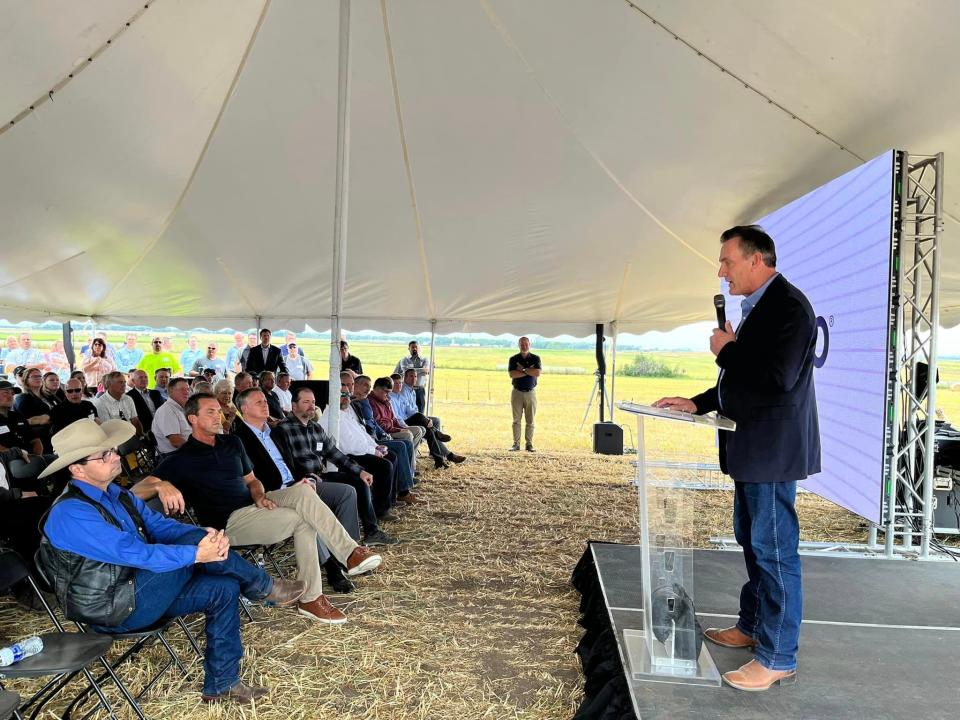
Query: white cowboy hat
{"points": [[85, 437]]}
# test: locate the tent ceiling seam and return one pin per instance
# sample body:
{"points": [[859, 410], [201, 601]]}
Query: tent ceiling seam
{"points": [[196, 166], [391, 61], [623, 288], [42, 270], [747, 86], [509, 42], [68, 78]]}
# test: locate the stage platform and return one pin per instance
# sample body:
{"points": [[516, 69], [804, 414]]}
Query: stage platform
{"points": [[880, 638]]}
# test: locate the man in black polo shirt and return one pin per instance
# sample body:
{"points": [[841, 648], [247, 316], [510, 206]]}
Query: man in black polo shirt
{"points": [[214, 473], [14, 430], [75, 408], [524, 369]]}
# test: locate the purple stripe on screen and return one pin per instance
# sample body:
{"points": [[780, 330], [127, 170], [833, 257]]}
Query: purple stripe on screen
{"points": [[808, 288], [876, 200], [874, 227]]}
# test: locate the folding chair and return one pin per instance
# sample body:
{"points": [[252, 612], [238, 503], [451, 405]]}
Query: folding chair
{"points": [[9, 702], [135, 459], [140, 639], [64, 656], [27, 472]]}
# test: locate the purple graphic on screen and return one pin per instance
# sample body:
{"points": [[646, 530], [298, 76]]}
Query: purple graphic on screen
{"points": [[834, 244]]}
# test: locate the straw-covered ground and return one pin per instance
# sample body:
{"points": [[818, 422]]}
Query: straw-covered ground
{"points": [[472, 616]]}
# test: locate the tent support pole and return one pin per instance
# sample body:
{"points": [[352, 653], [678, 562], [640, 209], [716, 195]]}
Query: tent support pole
{"points": [[613, 366], [340, 217], [433, 337]]}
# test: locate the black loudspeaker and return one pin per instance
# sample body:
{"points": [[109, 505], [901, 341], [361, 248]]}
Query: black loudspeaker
{"points": [[946, 514], [321, 390], [607, 438]]}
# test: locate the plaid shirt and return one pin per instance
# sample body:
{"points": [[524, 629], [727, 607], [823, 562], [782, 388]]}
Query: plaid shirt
{"points": [[310, 447]]}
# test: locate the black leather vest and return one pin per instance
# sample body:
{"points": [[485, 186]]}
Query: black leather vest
{"points": [[87, 590]]}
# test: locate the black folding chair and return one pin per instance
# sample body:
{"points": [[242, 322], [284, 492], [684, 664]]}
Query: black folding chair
{"points": [[140, 639], [27, 472], [64, 655], [140, 454], [9, 702]]}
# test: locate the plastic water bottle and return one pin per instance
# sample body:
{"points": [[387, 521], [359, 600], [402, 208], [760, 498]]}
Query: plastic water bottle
{"points": [[19, 651]]}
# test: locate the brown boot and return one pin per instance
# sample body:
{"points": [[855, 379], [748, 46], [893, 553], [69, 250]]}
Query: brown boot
{"points": [[754, 677], [239, 693], [285, 592], [731, 637]]}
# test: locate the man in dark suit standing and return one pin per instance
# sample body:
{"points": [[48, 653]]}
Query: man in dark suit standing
{"points": [[765, 385], [264, 356]]}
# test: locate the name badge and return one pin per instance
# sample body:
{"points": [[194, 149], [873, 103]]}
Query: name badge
{"points": [[4, 429], [319, 447]]}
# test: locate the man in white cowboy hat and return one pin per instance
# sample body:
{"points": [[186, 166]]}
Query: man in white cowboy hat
{"points": [[120, 566]]}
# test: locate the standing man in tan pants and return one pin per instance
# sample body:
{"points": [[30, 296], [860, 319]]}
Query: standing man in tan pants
{"points": [[524, 369]]}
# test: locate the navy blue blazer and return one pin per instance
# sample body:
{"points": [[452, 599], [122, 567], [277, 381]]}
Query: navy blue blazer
{"points": [[767, 388]]}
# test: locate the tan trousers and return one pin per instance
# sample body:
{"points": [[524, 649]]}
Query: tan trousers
{"points": [[523, 403], [303, 515]]}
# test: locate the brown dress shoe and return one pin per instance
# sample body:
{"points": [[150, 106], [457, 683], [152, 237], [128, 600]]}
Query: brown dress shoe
{"points": [[239, 693], [322, 611], [285, 592], [731, 637], [362, 561], [454, 458], [754, 677]]}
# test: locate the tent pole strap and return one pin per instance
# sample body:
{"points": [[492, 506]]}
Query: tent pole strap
{"points": [[433, 337]]}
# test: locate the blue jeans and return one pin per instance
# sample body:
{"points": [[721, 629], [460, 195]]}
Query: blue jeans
{"points": [[402, 462], [771, 602], [211, 588]]}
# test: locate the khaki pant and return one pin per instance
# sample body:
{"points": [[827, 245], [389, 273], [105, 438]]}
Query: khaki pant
{"points": [[523, 402], [303, 515]]}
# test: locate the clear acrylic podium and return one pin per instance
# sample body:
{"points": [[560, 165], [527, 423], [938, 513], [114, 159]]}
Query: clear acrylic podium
{"points": [[665, 648]]}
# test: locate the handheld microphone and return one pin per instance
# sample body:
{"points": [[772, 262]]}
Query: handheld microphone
{"points": [[719, 303]]}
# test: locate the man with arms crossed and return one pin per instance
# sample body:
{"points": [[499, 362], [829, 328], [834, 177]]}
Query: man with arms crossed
{"points": [[524, 369], [766, 386]]}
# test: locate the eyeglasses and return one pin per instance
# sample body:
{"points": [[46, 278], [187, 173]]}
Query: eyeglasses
{"points": [[102, 457], [73, 391], [211, 348]]}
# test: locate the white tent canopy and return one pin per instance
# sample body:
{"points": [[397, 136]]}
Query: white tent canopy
{"points": [[515, 166]]}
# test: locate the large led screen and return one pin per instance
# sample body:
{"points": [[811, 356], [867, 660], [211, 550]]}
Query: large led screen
{"points": [[834, 244]]}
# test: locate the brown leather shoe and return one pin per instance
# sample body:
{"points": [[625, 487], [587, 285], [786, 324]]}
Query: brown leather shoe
{"points": [[409, 498], [731, 637], [362, 561], [285, 592], [322, 611], [239, 693], [454, 458], [754, 677]]}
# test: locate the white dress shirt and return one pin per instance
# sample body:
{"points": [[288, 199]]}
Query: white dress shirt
{"points": [[353, 438]]}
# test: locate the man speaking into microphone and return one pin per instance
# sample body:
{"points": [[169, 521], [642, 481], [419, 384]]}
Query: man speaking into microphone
{"points": [[765, 384]]}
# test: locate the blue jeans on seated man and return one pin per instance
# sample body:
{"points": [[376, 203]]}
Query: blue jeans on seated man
{"points": [[211, 588], [771, 601]]}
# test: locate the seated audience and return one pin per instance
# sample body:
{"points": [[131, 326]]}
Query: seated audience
{"points": [[376, 459], [35, 407], [120, 566], [145, 401], [77, 407], [51, 389], [310, 448], [276, 411], [361, 401], [201, 386], [170, 426], [20, 508], [216, 478], [404, 398], [282, 391], [223, 392], [272, 469], [161, 379], [88, 392], [97, 365], [242, 381], [386, 418], [115, 404]]}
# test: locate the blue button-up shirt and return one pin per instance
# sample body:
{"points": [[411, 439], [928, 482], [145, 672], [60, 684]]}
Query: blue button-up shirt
{"points": [[747, 304], [404, 403], [127, 359], [77, 527], [273, 451]]}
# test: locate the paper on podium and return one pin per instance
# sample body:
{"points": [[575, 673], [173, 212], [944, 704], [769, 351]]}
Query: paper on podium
{"points": [[712, 420]]}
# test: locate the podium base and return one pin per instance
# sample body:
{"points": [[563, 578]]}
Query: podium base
{"points": [[640, 666]]}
